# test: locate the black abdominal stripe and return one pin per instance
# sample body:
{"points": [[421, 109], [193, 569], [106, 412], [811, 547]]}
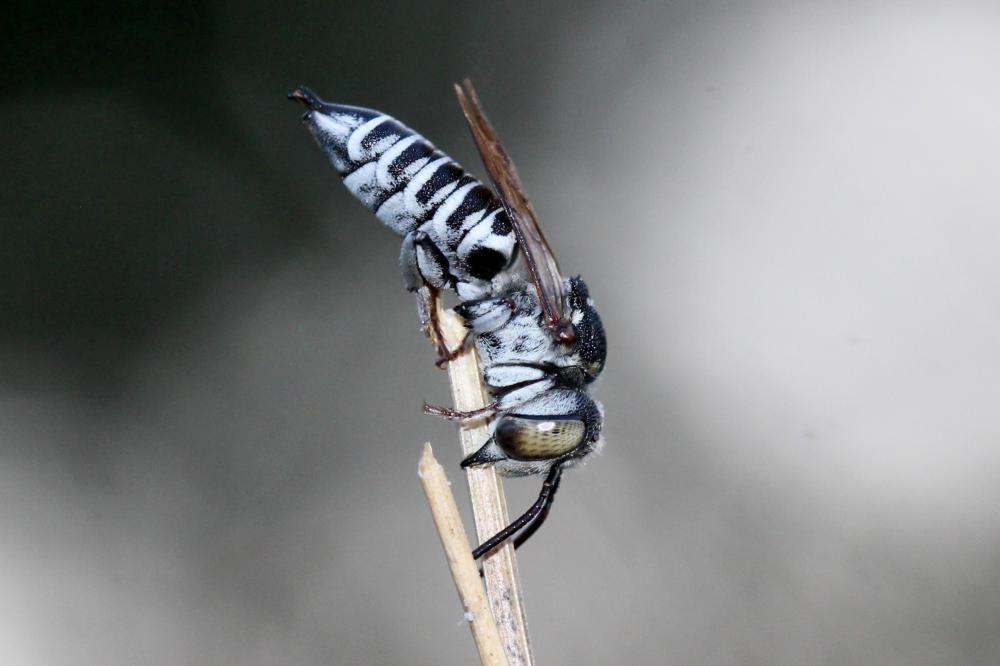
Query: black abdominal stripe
{"points": [[456, 233]]}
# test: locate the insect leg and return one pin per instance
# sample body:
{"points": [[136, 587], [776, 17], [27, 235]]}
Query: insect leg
{"points": [[423, 263], [446, 355], [425, 270], [454, 414], [549, 487], [427, 299], [485, 315], [512, 396]]}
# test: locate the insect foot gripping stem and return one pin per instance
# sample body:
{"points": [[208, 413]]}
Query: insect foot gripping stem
{"points": [[427, 312]]}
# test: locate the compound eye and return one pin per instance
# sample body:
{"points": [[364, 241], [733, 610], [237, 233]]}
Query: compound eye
{"points": [[537, 438]]}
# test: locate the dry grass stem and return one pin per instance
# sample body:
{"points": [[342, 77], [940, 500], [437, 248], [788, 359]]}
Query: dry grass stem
{"points": [[489, 506], [458, 551]]}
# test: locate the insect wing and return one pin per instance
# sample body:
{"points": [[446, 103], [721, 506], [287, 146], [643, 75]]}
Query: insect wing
{"points": [[537, 253]]}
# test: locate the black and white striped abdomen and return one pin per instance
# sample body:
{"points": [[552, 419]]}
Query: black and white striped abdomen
{"points": [[414, 188]]}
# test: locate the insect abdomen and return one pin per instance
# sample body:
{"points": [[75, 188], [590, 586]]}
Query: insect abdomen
{"points": [[411, 186]]}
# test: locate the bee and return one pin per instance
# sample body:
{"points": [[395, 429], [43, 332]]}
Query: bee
{"points": [[540, 339]]}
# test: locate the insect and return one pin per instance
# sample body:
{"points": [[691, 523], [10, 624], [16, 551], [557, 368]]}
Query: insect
{"points": [[540, 338]]}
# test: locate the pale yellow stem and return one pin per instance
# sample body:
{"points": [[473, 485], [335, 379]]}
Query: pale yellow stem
{"points": [[489, 507], [463, 568]]}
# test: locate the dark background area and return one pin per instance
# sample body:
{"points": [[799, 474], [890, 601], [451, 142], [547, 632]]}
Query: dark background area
{"points": [[211, 377]]}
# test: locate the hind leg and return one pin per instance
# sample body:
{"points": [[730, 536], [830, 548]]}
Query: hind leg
{"points": [[427, 311], [423, 263], [425, 270]]}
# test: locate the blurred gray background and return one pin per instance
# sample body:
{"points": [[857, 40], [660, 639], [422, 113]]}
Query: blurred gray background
{"points": [[211, 377]]}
